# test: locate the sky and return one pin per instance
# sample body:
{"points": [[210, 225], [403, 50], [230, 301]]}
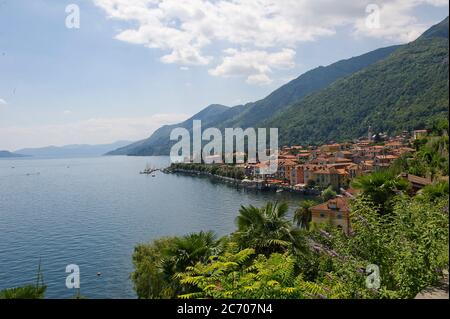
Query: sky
{"points": [[122, 68]]}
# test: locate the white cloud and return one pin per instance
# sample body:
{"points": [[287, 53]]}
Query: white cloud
{"points": [[183, 29], [3, 102], [254, 65], [91, 131], [67, 112]]}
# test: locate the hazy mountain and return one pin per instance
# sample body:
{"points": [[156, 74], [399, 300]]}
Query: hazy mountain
{"points": [[72, 150], [7, 154], [158, 143], [254, 113]]}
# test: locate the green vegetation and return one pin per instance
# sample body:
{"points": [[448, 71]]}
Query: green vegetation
{"points": [[381, 187], [36, 291], [406, 91], [302, 215], [253, 114], [25, 292], [409, 245], [157, 264], [405, 235], [328, 194], [431, 159], [265, 229]]}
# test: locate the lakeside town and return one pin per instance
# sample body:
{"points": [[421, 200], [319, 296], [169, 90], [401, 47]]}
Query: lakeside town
{"points": [[217, 156], [310, 170]]}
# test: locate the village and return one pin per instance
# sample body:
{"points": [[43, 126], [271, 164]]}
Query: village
{"points": [[334, 166], [309, 170]]}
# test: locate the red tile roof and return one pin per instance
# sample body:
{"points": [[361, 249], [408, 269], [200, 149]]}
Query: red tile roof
{"points": [[341, 204]]}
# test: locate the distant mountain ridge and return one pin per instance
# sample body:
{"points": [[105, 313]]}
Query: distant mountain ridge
{"points": [[7, 154], [391, 89], [251, 114], [75, 150], [158, 143]]}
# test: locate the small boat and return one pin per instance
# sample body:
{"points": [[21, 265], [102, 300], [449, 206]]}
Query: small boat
{"points": [[279, 191]]}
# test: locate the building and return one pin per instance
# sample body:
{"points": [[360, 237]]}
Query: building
{"points": [[335, 211], [355, 170], [331, 176], [285, 166], [417, 182], [298, 175], [419, 134], [331, 148], [384, 161]]}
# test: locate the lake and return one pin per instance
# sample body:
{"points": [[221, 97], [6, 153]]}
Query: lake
{"points": [[93, 211]]}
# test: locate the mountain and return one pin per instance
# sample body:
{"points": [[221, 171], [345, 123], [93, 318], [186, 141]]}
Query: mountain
{"points": [[408, 90], [439, 30], [304, 85], [158, 143], [6, 154], [251, 114], [72, 150]]}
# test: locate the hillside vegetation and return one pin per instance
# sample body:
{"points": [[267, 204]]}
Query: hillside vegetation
{"points": [[408, 90]]}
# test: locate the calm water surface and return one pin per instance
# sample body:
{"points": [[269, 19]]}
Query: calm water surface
{"points": [[92, 211]]}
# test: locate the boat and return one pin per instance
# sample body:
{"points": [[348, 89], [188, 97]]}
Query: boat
{"points": [[149, 171], [279, 191]]}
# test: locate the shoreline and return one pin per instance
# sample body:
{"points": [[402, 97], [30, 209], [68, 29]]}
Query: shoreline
{"points": [[254, 185]]}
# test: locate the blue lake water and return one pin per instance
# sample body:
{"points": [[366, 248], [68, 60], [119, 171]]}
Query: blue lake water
{"points": [[93, 211]]}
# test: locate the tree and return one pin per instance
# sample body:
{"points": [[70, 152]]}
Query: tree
{"points": [[381, 187], [328, 194], [265, 229], [242, 275], [245, 275], [149, 278], [157, 263], [302, 215], [410, 245], [187, 250]]}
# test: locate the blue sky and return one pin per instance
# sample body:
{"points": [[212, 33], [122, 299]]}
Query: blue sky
{"points": [[135, 65]]}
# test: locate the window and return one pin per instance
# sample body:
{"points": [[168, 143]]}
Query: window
{"points": [[322, 215], [339, 216]]}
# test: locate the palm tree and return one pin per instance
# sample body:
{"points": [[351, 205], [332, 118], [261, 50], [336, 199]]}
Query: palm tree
{"points": [[381, 187], [302, 215], [190, 249], [265, 229]]}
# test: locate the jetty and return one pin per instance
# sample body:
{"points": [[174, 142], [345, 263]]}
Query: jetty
{"points": [[149, 170]]}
